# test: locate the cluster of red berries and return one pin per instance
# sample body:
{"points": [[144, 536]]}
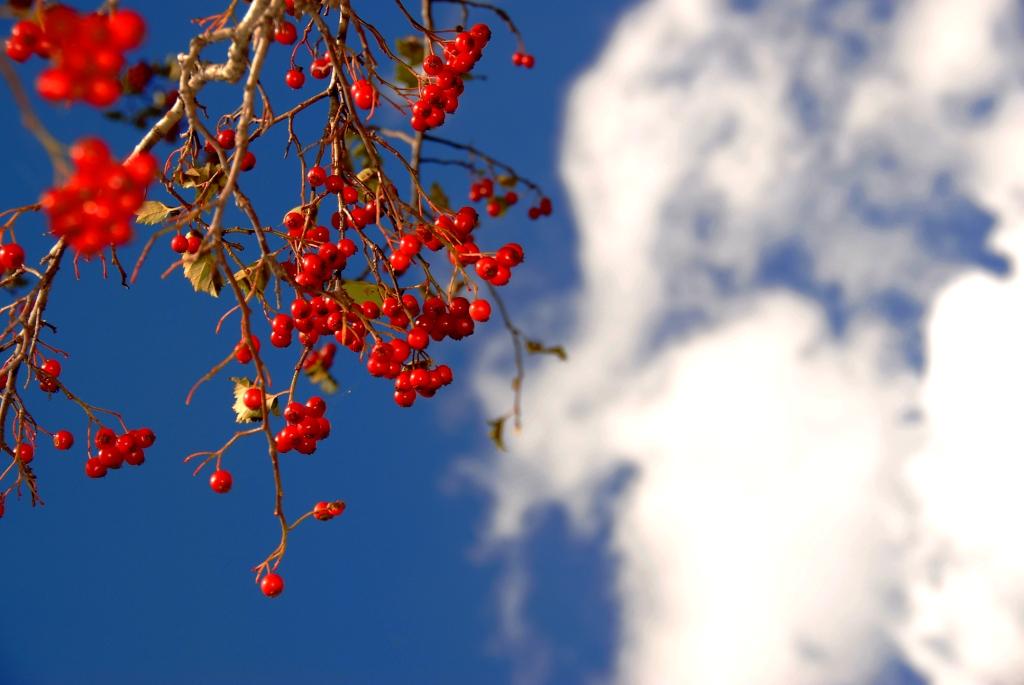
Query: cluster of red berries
{"points": [[190, 243], [226, 140], [484, 189], [440, 96], [87, 51], [307, 425], [364, 95], [95, 208], [113, 450], [522, 59], [320, 316], [49, 372], [543, 208], [325, 511], [497, 270], [320, 69], [324, 356], [12, 256], [422, 380]]}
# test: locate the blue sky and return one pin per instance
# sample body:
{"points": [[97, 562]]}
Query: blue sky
{"points": [[144, 576], [783, 451]]}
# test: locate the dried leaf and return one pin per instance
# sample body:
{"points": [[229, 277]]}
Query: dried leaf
{"points": [[507, 180], [496, 432], [242, 413], [153, 212], [534, 347], [254, 276]]}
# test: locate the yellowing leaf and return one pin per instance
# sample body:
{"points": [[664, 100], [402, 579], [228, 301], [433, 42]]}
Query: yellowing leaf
{"points": [[507, 180], [153, 212], [254, 276], [361, 291], [319, 375], [438, 196], [201, 270]]}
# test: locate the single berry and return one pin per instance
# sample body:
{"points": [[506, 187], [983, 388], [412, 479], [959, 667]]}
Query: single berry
{"points": [[63, 440], [272, 585], [253, 398], [480, 310], [220, 481], [294, 78]]}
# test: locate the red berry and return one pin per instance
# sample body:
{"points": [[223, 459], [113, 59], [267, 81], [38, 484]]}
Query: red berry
{"points": [[226, 138], [294, 78], [248, 161], [12, 256], [145, 437], [316, 176], [418, 338], [179, 244], [102, 92], [220, 481], [480, 310], [63, 440], [104, 437], [316, 406], [285, 33], [253, 398], [321, 68], [272, 585], [94, 468], [487, 268], [323, 511], [25, 452], [126, 443], [127, 29], [18, 49], [110, 457], [432, 65], [51, 367]]}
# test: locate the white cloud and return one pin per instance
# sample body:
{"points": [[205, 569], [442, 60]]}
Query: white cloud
{"points": [[788, 523]]}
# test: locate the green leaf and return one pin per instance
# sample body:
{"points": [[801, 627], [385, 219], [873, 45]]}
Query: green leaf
{"points": [[202, 272], [496, 432], [404, 77], [358, 152], [321, 376], [438, 196], [152, 212], [411, 48], [361, 291], [534, 347]]}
